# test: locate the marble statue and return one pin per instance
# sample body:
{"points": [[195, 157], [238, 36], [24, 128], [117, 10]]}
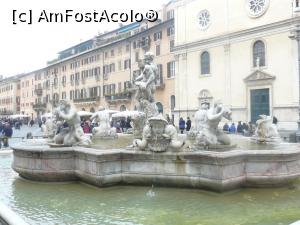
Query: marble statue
{"points": [[104, 129], [49, 128], [138, 121], [158, 136], [72, 134], [266, 131], [206, 130], [145, 86]]}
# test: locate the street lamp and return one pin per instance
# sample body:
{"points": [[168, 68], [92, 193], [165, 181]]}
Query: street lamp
{"points": [[296, 36]]}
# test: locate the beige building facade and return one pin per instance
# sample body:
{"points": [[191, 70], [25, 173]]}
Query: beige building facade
{"points": [[10, 96], [241, 53], [100, 71]]}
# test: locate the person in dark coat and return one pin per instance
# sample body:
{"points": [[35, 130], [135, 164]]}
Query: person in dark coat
{"points": [[7, 133], [226, 127], [188, 124], [240, 127], [181, 125], [275, 120], [123, 125]]}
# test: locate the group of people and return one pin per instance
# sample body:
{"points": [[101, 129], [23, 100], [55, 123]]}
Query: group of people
{"points": [[121, 125], [185, 125], [246, 129]]}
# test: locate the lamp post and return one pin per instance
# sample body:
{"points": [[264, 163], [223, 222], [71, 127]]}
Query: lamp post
{"points": [[296, 36]]}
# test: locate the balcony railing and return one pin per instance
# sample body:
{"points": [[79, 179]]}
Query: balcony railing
{"points": [[90, 99], [124, 96], [39, 106], [39, 91]]}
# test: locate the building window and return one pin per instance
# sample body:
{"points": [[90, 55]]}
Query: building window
{"points": [[112, 53], [171, 45], [120, 50], [127, 64], [170, 31], [297, 3], [171, 69], [157, 36], [119, 65], [205, 63], [259, 54], [105, 55], [136, 56], [172, 100], [160, 107], [112, 67], [127, 48], [157, 50], [170, 14], [159, 80], [203, 19]]}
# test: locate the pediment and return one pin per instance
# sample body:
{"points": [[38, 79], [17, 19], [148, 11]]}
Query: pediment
{"points": [[259, 75]]}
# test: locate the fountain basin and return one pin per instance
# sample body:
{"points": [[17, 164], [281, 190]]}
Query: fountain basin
{"points": [[217, 171]]}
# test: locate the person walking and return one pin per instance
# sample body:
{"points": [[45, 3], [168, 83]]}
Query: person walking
{"points": [[232, 128], [188, 124], [181, 125], [239, 127], [7, 133]]}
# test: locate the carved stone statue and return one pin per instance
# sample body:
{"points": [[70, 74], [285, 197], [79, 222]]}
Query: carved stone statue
{"points": [[266, 131], [206, 130], [104, 129], [158, 136], [49, 128], [138, 122], [145, 86], [72, 134]]}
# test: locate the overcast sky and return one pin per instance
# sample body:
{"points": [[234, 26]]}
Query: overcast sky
{"points": [[24, 48]]}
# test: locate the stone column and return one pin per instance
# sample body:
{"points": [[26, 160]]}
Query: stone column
{"points": [[227, 59], [296, 36]]}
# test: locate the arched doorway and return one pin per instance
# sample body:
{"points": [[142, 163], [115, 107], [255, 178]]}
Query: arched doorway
{"points": [[160, 107], [92, 110]]}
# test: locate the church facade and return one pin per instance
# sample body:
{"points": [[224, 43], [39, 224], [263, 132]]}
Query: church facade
{"points": [[240, 52]]}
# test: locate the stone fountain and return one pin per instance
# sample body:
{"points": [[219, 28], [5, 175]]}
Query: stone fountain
{"points": [[156, 155]]}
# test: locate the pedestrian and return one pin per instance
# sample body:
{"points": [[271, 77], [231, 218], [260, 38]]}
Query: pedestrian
{"points": [[275, 120], [239, 128], [232, 128], [245, 129], [86, 128], [122, 124], [251, 128], [181, 124], [188, 124], [226, 127], [7, 133], [128, 123], [31, 122]]}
